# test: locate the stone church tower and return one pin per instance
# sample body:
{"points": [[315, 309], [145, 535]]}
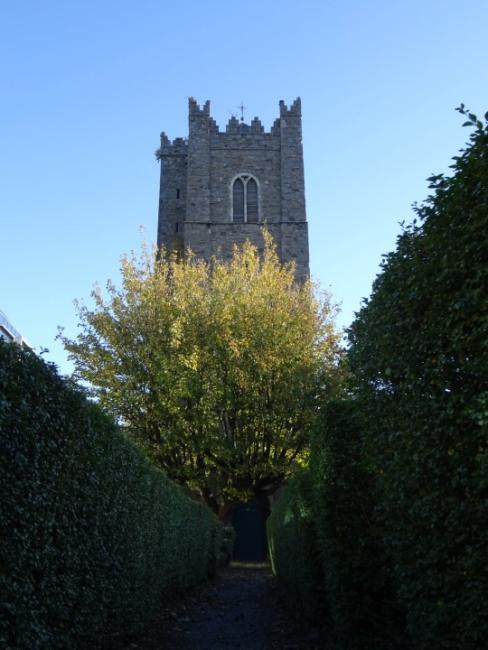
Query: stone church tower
{"points": [[220, 187]]}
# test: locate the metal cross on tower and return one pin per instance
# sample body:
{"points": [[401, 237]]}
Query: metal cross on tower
{"points": [[242, 108]]}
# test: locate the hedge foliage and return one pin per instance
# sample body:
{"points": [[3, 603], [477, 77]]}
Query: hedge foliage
{"points": [[419, 353], [399, 470], [292, 544], [324, 544], [93, 538], [360, 597]]}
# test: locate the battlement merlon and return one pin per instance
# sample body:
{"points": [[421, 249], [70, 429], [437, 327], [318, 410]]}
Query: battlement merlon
{"points": [[233, 125], [256, 126], [276, 128]]}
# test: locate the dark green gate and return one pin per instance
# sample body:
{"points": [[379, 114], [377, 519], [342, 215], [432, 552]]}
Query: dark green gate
{"points": [[249, 521]]}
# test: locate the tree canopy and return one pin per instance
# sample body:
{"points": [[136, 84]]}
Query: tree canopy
{"points": [[216, 369]]}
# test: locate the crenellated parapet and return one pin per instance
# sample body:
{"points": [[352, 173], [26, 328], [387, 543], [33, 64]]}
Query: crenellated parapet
{"points": [[239, 135], [235, 126], [295, 109], [194, 109], [199, 116], [177, 147]]}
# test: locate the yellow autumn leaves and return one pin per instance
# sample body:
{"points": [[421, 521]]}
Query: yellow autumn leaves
{"points": [[215, 368]]}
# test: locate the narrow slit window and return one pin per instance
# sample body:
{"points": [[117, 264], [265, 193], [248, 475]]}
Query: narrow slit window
{"points": [[252, 201], [238, 200]]}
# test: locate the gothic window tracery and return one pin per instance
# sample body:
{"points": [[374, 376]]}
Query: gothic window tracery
{"points": [[245, 200]]}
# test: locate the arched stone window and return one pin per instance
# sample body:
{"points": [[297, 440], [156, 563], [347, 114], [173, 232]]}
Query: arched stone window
{"points": [[245, 199]]}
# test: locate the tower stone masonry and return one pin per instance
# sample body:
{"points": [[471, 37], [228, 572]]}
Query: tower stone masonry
{"points": [[221, 188]]}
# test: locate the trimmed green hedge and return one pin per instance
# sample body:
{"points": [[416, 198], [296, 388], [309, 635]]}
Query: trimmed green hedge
{"points": [[324, 542], [419, 354], [399, 470], [292, 545], [93, 538], [361, 600]]}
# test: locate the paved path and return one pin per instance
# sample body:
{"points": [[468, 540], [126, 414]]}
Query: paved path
{"points": [[239, 610]]}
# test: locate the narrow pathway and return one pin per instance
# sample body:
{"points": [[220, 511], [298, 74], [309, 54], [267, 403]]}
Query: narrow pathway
{"points": [[240, 610]]}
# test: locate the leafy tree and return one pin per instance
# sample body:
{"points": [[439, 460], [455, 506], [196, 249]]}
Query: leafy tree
{"points": [[216, 369]]}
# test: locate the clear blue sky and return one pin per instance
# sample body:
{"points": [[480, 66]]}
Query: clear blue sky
{"points": [[87, 87]]}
